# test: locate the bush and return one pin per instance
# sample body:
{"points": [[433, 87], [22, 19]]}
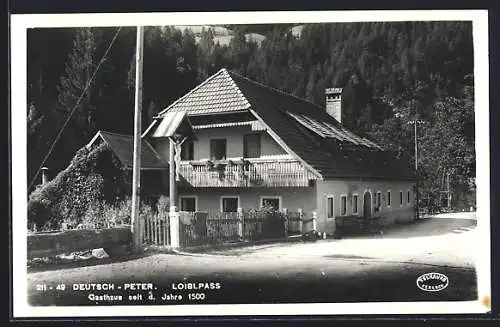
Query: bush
{"points": [[104, 215], [272, 221], [92, 177], [163, 206]]}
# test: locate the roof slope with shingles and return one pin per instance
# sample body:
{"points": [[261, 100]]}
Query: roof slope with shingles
{"points": [[123, 147], [218, 93], [227, 91]]}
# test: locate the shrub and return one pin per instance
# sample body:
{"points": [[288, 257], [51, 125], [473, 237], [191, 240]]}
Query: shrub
{"points": [[104, 215], [272, 222], [163, 206], [92, 176]]}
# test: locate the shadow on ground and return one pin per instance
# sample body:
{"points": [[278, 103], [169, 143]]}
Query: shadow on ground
{"points": [[59, 265], [430, 227], [419, 228], [347, 256]]}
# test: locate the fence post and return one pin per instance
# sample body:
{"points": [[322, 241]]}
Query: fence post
{"points": [[301, 216], [240, 223], [141, 230], [285, 221], [173, 217], [314, 217]]}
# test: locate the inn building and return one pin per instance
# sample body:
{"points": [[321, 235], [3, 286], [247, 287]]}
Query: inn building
{"points": [[248, 145]]}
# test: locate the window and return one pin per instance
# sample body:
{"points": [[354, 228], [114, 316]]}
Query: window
{"points": [[229, 204], [388, 198], [400, 198], [408, 197], [271, 202], [329, 207], [188, 203], [354, 203], [218, 149], [251, 145], [343, 205], [379, 199], [187, 150]]}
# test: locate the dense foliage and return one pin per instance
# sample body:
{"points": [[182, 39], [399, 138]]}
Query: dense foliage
{"points": [[391, 72], [93, 177]]}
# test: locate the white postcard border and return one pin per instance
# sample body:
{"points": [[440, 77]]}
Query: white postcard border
{"points": [[19, 25]]}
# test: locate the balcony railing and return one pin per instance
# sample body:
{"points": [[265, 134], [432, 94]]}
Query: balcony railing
{"points": [[245, 173]]}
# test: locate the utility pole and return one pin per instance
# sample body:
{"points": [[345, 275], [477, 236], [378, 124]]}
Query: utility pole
{"points": [[172, 179], [136, 177], [448, 193], [415, 123]]}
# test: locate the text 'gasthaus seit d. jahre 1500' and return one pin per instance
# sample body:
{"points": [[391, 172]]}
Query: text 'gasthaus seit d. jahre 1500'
{"points": [[129, 292]]}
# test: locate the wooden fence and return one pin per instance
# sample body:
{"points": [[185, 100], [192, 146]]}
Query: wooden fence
{"points": [[212, 228], [155, 230]]}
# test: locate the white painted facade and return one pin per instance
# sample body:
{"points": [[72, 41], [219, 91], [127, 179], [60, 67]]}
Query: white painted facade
{"points": [[309, 199], [234, 143]]}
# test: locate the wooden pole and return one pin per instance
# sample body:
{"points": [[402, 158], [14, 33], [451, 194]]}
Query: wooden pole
{"points": [[136, 177], [415, 122], [416, 147], [172, 180], [174, 213], [416, 172]]}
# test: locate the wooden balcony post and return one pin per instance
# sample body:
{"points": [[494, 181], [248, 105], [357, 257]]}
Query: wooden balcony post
{"points": [[240, 223], [301, 223]]}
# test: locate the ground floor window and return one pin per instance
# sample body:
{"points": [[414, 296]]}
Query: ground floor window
{"points": [[188, 203], [408, 197], [271, 202], [379, 199], [329, 206], [400, 198], [354, 203], [229, 203], [388, 198], [343, 205]]}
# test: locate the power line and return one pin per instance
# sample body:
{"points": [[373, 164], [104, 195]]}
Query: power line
{"points": [[74, 108]]}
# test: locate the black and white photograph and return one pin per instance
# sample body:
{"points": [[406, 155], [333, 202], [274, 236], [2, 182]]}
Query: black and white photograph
{"points": [[250, 163]]}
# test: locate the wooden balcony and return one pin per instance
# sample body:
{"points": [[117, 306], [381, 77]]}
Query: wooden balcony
{"points": [[245, 173]]}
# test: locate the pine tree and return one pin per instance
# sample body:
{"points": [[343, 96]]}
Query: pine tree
{"points": [[82, 63]]}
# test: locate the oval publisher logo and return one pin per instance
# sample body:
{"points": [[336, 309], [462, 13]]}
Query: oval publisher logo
{"points": [[432, 282]]}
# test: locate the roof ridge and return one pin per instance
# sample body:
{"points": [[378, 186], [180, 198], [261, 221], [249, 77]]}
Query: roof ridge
{"points": [[145, 142], [113, 133], [274, 89], [222, 70], [238, 90]]}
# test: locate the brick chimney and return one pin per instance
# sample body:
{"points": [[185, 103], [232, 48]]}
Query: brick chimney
{"points": [[334, 103], [45, 175]]}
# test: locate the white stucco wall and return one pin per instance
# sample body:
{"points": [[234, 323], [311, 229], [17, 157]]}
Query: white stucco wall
{"points": [[394, 213], [234, 143], [292, 198]]}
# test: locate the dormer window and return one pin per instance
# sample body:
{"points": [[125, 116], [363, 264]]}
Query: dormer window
{"points": [[218, 149]]}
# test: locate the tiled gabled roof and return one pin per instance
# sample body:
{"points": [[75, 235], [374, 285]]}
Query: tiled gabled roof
{"points": [[217, 93], [123, 147], [283, 113]]}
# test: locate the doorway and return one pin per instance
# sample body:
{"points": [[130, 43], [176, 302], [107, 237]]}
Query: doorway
{"points": [[367, 205]]}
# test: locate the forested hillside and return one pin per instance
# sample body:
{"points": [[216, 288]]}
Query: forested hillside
{"points": [[391, 73]]}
